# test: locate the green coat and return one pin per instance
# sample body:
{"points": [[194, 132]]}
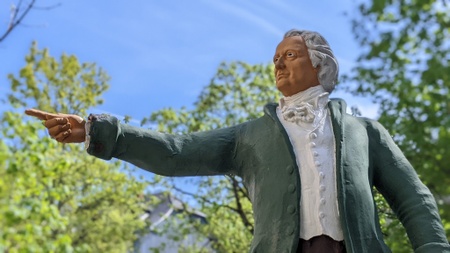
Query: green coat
{"points": [[260, 152]]}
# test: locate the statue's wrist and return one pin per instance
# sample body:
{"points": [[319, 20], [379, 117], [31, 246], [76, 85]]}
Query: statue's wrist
{"points": [[87, 128]]}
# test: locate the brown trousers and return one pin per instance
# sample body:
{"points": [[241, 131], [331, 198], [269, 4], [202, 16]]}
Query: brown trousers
{"points": [[320, 244]]}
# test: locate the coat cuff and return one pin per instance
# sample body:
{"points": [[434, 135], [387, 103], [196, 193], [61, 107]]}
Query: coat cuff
{"points": [[103, 133]]}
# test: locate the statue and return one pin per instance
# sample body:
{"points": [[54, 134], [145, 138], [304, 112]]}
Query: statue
{"points": [[309, 167]]}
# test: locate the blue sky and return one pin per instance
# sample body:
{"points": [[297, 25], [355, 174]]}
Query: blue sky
{"points": [[162, 53]]}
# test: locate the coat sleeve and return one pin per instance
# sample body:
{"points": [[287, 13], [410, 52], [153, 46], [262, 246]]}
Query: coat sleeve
{"points": [[408, 197], [202, 153]]}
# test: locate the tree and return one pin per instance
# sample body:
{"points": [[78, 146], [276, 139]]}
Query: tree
{"points": [[237, 93], [18, 11], [55, 198], [404, 67]]}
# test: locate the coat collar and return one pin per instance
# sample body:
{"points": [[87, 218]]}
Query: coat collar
{"points": [[337, 107]]}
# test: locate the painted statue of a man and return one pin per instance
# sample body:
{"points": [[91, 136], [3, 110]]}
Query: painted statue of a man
{"points": [[309, 167]]}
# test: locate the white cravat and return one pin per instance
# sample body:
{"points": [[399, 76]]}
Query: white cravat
{"points": [[306, 108], [308, 124]]}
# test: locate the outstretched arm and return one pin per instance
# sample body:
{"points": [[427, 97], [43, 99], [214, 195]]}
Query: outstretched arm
{"points": [[65, 128], [195, 154], [203, 153]]}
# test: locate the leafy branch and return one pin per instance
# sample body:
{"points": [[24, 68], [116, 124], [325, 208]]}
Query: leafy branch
{"points": [[19, 12]]}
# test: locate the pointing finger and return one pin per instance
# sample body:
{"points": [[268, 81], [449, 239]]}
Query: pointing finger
{"points": [[42, 115]]}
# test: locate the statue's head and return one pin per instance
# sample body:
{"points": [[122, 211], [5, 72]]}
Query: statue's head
{"points": [[304, 59]]}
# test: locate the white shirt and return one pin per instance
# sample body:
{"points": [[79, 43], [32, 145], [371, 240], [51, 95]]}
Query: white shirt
{"points": [[314, 146]]}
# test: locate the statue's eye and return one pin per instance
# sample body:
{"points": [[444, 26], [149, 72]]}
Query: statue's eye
{"points": [[290, 54]]}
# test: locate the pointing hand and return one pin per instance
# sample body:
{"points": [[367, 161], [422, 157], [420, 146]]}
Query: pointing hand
{"points": [[65, 128]]}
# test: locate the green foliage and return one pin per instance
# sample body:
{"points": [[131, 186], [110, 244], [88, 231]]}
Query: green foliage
{"points": [[405, 67], [64, 85], [237, 93], [54, 197], [230, 221], [394, 233]]}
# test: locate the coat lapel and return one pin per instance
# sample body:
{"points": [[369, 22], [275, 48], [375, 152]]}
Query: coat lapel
{"points": [[337, 109]]}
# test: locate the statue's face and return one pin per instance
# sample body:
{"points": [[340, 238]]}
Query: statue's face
{"points": [[293, 68]]}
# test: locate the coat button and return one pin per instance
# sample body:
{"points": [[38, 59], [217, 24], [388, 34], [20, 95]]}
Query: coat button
{"points": [[322, 175], [290, 169], [322, 188], [291, 188], [291, 209], [322, 201]]}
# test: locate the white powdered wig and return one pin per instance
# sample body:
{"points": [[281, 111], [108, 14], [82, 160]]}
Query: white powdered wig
{"points": [[321, 56]]}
